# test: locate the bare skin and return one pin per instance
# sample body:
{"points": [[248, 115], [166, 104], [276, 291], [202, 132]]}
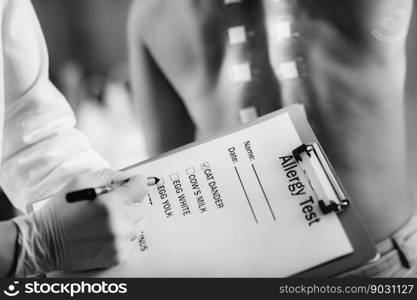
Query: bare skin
{"points": [[353, 88]]}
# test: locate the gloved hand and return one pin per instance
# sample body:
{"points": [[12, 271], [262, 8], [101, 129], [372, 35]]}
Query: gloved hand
{"points": [[86, 234]]}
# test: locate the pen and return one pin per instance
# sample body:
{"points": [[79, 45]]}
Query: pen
{"points": [[92, 192]]}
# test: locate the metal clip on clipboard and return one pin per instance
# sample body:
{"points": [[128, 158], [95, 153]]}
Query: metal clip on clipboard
{"points": [[320, 175]]}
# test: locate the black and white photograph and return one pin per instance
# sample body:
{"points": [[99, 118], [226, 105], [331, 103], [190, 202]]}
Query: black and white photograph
{"points": [[145, 142]]}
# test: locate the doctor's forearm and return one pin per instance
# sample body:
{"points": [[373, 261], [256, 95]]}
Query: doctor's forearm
{"points": [[8, 236]]}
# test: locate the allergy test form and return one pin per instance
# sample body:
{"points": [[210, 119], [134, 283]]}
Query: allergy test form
{"points": [[235, 205]]}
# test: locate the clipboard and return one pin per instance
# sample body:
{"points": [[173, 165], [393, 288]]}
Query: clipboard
{"points": [[323, 181], [332, 197]]}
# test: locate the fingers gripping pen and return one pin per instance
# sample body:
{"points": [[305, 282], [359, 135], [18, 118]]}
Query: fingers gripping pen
{"points": [[93, 192]]}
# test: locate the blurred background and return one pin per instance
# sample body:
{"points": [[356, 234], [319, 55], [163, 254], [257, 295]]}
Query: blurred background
{"points": [[88, 62], [87, 48]]}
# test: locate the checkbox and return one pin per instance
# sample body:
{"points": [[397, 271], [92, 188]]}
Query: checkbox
{"points": [[205, 165], [161, 182], [174, 177], [191, 171]]}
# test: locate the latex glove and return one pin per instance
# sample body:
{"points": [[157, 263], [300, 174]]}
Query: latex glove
{"points": [[86, 234]]}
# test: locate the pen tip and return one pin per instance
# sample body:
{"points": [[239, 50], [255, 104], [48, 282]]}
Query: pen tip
{"points": [[152, 180]]}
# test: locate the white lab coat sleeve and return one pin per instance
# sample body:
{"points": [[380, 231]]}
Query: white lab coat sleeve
{"points": [[41, 149]]}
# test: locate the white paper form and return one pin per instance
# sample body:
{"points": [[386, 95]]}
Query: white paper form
{"points": [[234, 206]]}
